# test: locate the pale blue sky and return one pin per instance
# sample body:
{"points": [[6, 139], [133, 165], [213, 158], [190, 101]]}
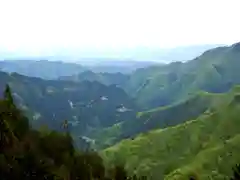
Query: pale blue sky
{"points": [[44, 26]]}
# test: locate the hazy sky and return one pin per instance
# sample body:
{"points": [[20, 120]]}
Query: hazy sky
{"points": [[36, 26]]}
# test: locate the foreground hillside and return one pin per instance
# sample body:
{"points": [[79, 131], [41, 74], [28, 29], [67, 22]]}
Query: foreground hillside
{"points": [[206, 147], [28, 154]]}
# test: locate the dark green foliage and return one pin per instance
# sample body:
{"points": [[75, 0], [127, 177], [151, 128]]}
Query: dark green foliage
{"points": [[236, 173], [46, 155], [119, 173], [9, 112], [8, 95]]}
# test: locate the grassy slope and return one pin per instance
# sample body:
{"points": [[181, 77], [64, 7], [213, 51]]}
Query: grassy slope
{"points": [[161, 117], [199, 147]]}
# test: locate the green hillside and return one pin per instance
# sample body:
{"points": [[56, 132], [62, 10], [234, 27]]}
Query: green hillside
{"points": [[215, 71], [161, 117], [206, 147]]}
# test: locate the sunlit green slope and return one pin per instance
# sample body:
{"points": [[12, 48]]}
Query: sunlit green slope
{"points": [[205, 147], [161, 117]]}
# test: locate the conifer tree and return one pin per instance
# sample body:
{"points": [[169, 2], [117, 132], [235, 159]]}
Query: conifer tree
{"points": [[8, 95], [236, 173]]}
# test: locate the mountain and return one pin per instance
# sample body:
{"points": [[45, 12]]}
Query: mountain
{"points": [[85, 105], [170, 90], [216, 70], [202, 148], [185, 53], [64, 63], [118, 65], [57, 69], [42, 68], [161, 117], [105, 78], [145, 53]]}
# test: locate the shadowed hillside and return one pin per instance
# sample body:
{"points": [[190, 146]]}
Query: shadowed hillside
{"points": [[29, 154], [85, 105]]}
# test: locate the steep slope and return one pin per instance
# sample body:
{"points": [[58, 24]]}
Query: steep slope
{"points": [[161, 117], [206, 147], [216, 71], [29, 154], [171, 115], [86, 105]]}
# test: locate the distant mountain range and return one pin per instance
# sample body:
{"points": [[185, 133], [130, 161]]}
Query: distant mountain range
{"points": [[125, 61], [54, 69], [96, 56]]}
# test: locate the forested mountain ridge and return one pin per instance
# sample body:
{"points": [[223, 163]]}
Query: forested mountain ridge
{"points": [[216, 70], [185, 87], [200, 149], [160, 118], [85, 105]]}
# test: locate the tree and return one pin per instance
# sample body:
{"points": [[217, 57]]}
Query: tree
{"points": [[8, 95], [29, 154], [236, 173], [5, 139], [120, 173]]}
